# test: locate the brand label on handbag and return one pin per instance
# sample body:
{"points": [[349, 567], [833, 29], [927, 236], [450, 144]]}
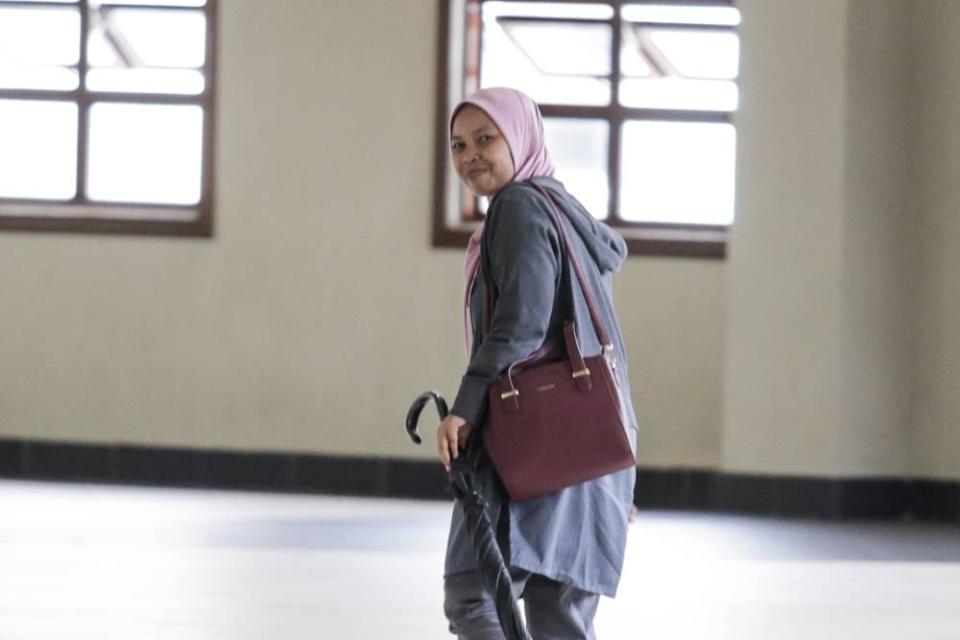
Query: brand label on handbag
{"points": [[547, 387]]}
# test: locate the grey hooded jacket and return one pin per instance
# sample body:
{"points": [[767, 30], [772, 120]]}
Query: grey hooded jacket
{"points": [[577, 535]]}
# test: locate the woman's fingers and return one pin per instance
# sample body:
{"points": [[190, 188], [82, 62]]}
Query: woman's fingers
{"points": [[446, 443], [442, 448], [454, 446], [450, 439]]}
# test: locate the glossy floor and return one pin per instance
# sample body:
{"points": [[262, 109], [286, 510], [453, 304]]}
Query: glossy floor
{"points": [[80, 562]]}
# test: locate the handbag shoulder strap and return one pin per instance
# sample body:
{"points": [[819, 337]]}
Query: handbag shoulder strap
{"points": [[588, 292]]}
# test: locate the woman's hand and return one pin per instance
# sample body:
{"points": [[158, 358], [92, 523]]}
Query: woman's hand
{"points": [[452, 436]]}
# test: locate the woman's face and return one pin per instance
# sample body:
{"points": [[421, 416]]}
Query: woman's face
{"points": [[480, 153]]}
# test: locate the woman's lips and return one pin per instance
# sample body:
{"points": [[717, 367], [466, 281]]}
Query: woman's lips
{"points": [[473, 173]]}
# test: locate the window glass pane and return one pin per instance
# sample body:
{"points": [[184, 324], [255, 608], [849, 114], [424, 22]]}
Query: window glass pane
{"points": [[145, 153], [579, 150], [38, 154], [37, 47], [679, 68], [696, 54], [679, 172], [146, 50], [705, 95], [35, 77], [153, 3], [146, 80], [551, 10], [561, 49], [682, 14], [555, 62]]}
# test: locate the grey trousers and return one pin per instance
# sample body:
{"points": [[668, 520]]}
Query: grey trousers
{"points": [[554, 611]]}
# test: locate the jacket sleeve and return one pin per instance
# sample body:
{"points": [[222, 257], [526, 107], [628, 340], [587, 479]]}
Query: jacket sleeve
{"points": [[523, 250]]}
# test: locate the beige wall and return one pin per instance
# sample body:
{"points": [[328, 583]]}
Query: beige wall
{"points": [[782, 411], [673, 317], [319, 308], [936, 176], [840, 359], [877, 309], [823, 313]]}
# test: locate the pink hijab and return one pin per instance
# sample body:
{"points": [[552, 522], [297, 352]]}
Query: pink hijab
{"points": [[518, 119]]}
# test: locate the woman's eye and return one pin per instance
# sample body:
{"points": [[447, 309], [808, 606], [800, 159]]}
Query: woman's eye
{"points": [[457, 146], [484, 139]]}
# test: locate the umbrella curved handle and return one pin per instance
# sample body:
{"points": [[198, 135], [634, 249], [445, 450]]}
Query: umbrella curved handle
{"points": [[413, 414]]}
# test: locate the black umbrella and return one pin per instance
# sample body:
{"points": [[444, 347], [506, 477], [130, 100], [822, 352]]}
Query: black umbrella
{"points": [[466, 488]]}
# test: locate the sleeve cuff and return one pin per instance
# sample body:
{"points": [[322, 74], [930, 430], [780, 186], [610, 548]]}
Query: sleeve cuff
{"points": [[471, 402]]}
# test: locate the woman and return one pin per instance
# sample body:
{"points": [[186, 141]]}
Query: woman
{"points": [[565, 549]]}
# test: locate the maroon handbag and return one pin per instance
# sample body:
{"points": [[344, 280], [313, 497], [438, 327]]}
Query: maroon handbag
{"points": [[555, 424]]}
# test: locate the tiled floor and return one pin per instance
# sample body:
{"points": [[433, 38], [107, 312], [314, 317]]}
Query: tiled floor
{"points": [[80, 562]]}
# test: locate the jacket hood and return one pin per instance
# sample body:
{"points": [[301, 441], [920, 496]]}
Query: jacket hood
{"points": [[607, 247]]}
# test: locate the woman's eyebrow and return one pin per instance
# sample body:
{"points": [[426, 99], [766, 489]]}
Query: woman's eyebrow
{"points": [[484, 129]]}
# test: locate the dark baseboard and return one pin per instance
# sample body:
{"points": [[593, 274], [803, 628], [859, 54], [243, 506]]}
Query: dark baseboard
{"points": [[220, 469], [671, 489], [803, 497]]}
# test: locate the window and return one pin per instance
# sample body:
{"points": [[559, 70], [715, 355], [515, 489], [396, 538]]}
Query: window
{"points": [[106, 116], [637, 97]]}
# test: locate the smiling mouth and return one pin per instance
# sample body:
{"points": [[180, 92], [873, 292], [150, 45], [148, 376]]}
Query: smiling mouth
{"points": [[473, 173]]}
